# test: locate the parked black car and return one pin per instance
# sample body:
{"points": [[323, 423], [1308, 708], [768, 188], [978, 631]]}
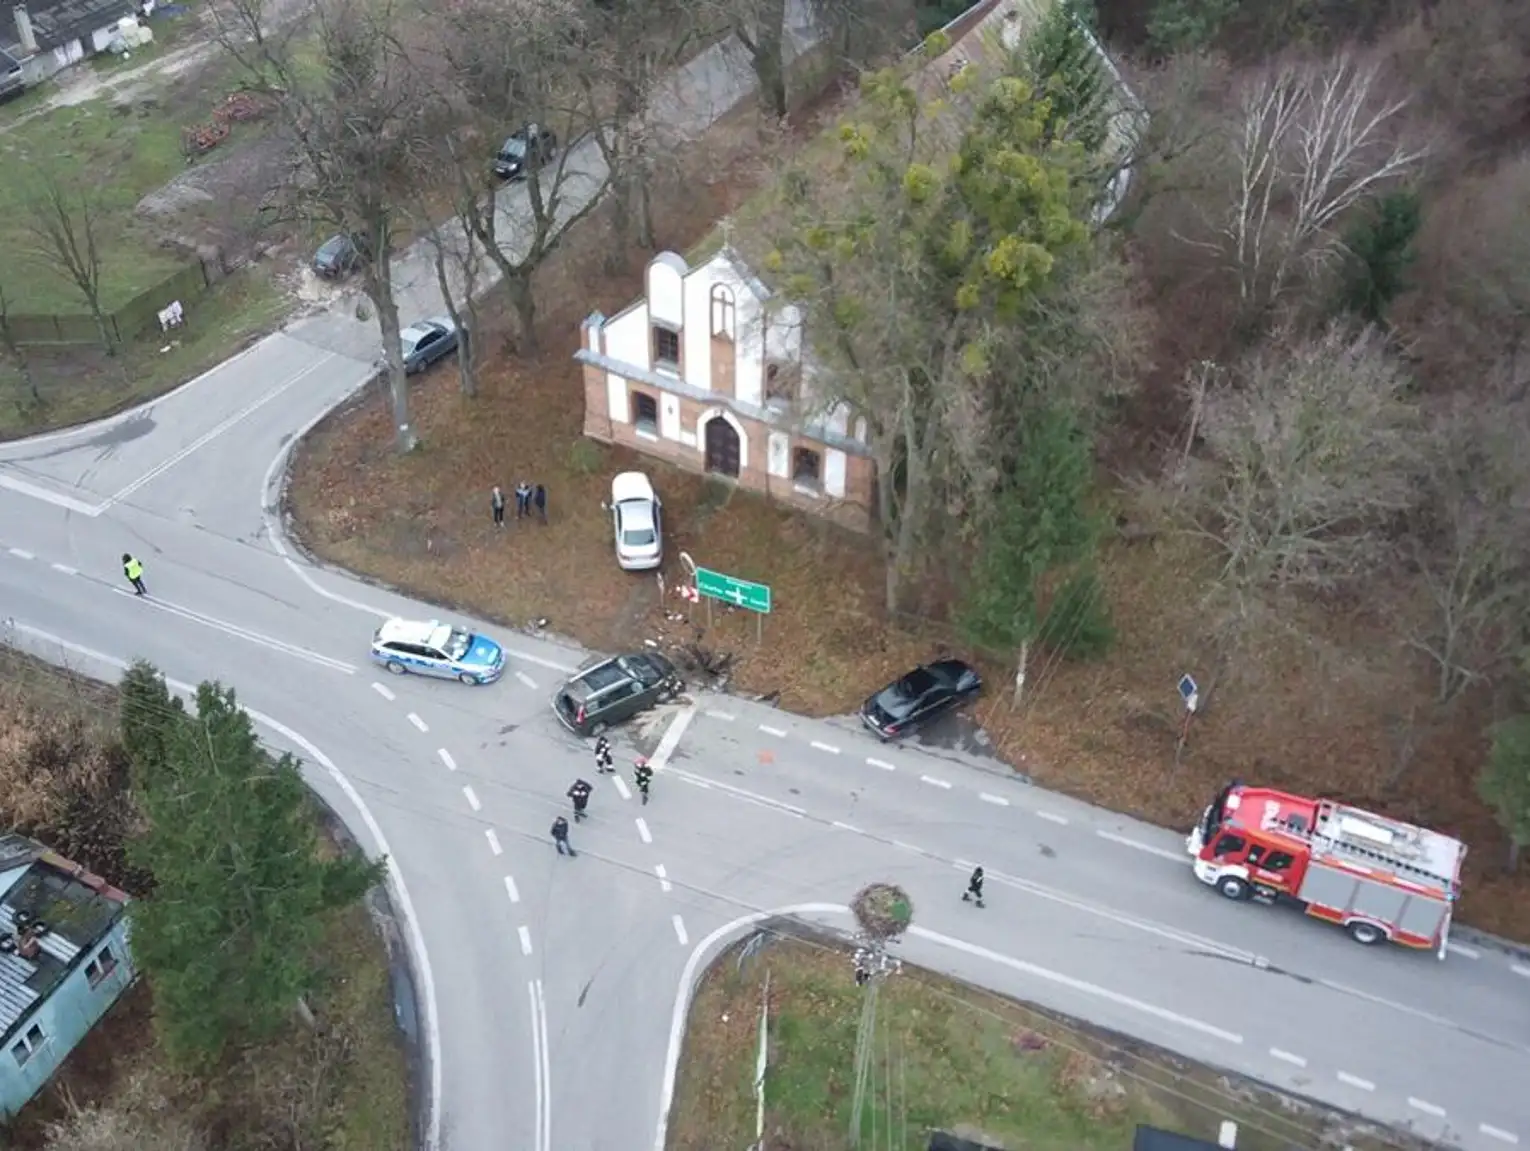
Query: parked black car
{"points": [[927, 692], [611, 690], [528, 147], [339, 256]]}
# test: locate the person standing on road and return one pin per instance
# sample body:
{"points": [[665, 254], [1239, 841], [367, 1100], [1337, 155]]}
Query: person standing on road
{"points": [[642, 775], [539, 497], [974, 887], [522, 500], [134, 572], [603, 756], [580, 794], [560, 837], [497, 506]]}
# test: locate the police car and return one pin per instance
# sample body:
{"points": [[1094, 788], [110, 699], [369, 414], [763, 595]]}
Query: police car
{"points": [[433, 648]]}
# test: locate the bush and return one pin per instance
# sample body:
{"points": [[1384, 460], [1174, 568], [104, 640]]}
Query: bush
{"points": [[1077, 623], [583, 457]]}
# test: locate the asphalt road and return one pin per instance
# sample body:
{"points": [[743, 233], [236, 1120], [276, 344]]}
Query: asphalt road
{"points": [[553, 989]]}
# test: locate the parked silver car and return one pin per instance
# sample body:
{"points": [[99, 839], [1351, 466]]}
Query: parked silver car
{"points": [[637, 520], [426, 341]]}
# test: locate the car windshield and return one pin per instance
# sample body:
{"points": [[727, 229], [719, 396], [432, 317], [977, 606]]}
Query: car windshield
{"points": [[410, 338], [333, 249], [897, 698], [458, 643], [638, 538], [641, 669], [514, 148]]}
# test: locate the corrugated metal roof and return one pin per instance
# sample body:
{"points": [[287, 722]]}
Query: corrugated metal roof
{"points": [[18, 976]]}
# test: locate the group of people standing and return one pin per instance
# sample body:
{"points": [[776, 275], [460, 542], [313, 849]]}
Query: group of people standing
{"points": [[580, 792], [527, 498]]}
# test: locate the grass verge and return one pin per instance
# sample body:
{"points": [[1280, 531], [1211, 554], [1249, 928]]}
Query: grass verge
{"points": [[948, 1057]]}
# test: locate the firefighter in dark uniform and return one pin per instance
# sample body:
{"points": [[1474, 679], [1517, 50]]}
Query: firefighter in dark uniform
{"points": [[603, 756], [974, 887], [580, 794], [560, 837], [642, 775]]}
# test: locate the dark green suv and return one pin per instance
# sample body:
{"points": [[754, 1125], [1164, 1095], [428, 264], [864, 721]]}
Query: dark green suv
{"points": [[607, 691]]}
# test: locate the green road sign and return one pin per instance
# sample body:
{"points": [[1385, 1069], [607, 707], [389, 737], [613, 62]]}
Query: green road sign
{"points": [[730, 589]]}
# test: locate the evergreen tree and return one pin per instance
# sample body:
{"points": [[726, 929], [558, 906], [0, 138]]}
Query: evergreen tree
{"points": [[1381, 251], [1068, 71], [1505, 781], [229, 936], [146, 714]]}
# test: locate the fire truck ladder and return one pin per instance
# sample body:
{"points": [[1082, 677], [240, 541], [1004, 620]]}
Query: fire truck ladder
{"points": [[1369, 839]]}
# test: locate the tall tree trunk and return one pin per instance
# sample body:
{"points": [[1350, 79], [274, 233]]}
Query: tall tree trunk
{"points": [[518, 284], [379, 288]]}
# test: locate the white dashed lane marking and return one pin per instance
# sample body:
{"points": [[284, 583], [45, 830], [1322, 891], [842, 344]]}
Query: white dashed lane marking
{"points": [[847, 827], [446, 758], [493, 842], [996, 800], [527, 680], [933, 782], [1426, 1107], [418, 722], [1051, 818], [384, 691], [621, 787], [511, 890], [680, 930], [643, 833], [882, 763], [828, 747], [1135, 845], [1520, 969], [775, 731], [726, 717], [64, 569], [963, 864], [1498, 1133], [472, 798], [22, 554], [1355, 1081], [664, 883], [1463, 951], [1287, 1057], [525, 939]]}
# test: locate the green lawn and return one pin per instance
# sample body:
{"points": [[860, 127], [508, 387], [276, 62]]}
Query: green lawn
{"points": [[947, 1057]]}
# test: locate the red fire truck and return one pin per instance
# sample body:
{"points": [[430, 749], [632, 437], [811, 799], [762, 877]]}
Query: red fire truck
{"points": [[1378, 878]]}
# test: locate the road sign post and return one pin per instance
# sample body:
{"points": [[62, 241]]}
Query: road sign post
{"points": [[1190, 693], [740, 593]]}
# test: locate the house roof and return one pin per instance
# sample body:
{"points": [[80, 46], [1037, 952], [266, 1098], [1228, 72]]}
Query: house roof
{"points": [[56, 22], [78, 909], [8, 63]]}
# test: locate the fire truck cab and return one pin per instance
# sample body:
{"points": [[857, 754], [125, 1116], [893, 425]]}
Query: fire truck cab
{"points": [[1376, 877]]}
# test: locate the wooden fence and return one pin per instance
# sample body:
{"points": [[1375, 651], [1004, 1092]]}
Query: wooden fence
{"points": [[126, 323]]}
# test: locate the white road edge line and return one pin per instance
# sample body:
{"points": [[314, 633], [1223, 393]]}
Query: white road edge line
{"points": [[48, 496], [526, 679], [1051, 818], [1136, 845], [238, 632], [21, 554], [779, 733], [1498, 1133], [846, 827], [446, 758], [882, 763], [825, 747], [1355, 1081], [511, 890], [384, 690], [1520, 969], [1463, 951], [432, 1028], [493, 841], [664, 883], [933, 782], [418, 722], [680, 930], [643, 833], [621, 787], [65, 569], [702, 953], [1426, 1107], [726, 717], [660, 757], [472, 798], [538, 1061], [996, 800], [1287, 1057], [525, 935]]}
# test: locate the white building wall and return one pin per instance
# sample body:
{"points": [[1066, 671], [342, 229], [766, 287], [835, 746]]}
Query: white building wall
{"points": [[834, 473], [669, 416], [616, 397], [778, 454], [627, 339], [666, 295]]}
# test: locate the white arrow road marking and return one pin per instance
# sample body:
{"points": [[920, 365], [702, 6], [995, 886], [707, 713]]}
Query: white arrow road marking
{"points": [[511, 890], [1426, 1107], [1161, 852], [21, 554], [1051, 818], [525, 939], [996, 800], [384, 691], [643, 833], [1287, 1057], [1498, 1133], [65, 569], [418, 722], [472, 798], [882, 763], [779, 733], [664, 883], [680, 930], [1355, 1081], [527, 680], [493, 841], [826, 747], [239, 632], [621, 787], [446, 758], [933, 782]]}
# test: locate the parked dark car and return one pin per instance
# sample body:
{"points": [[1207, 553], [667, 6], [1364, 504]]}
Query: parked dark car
{"points": [[611, 690], [529, 147], [927, 692], [427, 341], [339, 256]]}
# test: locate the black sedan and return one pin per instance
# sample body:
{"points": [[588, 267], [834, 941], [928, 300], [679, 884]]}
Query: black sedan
{"points": [[339, 256], [927, 692]]}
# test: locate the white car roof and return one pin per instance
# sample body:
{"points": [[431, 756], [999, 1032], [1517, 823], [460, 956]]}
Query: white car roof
{"points": [[635, 515], [631, 486], [430, 632]]}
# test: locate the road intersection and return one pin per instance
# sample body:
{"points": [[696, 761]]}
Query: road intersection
{"points": [[553, 990]]}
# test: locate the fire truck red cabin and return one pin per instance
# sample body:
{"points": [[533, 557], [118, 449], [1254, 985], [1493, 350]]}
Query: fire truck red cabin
{"points": [[1376, 877]]}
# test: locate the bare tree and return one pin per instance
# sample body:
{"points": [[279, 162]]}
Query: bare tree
{"points": [[1469, 543], [360, 120], [15, 352], [1309, 455], [459, 265], [62, 223], [1310, 142]]}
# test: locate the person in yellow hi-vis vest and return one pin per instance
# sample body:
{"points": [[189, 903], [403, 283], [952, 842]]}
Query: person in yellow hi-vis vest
{"points": [[134, 572]]}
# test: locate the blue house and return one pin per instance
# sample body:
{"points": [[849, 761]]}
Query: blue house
{"points": [[63, 961]]}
